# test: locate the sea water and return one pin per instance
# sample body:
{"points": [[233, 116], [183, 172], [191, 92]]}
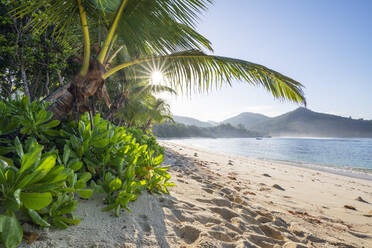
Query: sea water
{"points": [[328, 153]]}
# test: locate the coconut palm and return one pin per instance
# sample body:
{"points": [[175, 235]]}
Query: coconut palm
{"points": [[155, 35], [159, 111], [140, 107], [125, 92]]}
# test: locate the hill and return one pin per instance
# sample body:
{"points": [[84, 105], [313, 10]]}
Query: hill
{"points": [[248, 120], [306, 123], [191, 121], [177, 130]]}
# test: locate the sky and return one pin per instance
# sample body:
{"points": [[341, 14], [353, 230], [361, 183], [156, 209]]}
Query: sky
{"points": [[324, 44]]}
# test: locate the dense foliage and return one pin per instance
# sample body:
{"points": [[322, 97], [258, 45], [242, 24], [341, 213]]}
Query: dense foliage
{"points": [[46, 165], [31, 62]]}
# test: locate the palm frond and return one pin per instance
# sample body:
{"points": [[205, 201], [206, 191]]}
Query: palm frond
{"points": [[146, 26], [160, 26], [145, 89], [60, 14], [196, 70]]}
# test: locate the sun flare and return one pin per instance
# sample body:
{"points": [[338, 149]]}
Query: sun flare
{"points": [[157, 77]]}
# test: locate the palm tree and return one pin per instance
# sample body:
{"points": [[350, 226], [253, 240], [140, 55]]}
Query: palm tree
{"points": [[159, 112], [153, 33], [139, 105]]}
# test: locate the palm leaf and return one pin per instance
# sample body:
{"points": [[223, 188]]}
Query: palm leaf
{"points": [[142, 22], [196, 70], [160, 26], [146, 89]]}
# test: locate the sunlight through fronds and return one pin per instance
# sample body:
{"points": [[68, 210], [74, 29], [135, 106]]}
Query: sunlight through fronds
{"points": [[184, 70]]}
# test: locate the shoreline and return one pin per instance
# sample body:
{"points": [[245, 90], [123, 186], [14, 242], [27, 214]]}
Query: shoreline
{"points": [[226, 201], [305, 198], [357, 173]]}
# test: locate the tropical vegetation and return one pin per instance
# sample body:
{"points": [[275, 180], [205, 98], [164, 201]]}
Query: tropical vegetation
{"points": [[45, 165], [79, 97]]}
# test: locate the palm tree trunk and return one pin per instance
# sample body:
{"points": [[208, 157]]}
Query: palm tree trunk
{"points": [[119, 102], [24, 76], [76, 93], [63, 102], [148, 124]]}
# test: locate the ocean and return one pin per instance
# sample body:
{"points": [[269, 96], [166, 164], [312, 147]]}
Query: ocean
{"points": [[342, 156]]}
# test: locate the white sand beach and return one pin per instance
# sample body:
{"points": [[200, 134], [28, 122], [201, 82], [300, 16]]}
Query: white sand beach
{"points": [[230, 201]]}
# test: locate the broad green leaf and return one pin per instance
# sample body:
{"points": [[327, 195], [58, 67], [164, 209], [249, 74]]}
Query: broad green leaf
{"points": [[35, 217], [30, 158], [96, 188], [158, 160], [2, 219], [115, 184], [44, 187], [11, 204], [130, 173], [66, 154], [101, 143], [36, 201], [17, 197], [52, 132], [7, 160], [84, 193], [59, 224], [85, 177], [10, 176], [12, 233], [18, 147], [27, 180], [50, 124], [45, 166], [68, 220], [53, 173], [3, 165], [117, 211], [75, 165], [41, 117]]}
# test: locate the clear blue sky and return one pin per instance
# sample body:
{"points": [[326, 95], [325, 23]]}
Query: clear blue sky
{"points": [[324, 44]]}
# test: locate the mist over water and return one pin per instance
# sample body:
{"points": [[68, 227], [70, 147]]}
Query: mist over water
{"points": [[338, 153]]}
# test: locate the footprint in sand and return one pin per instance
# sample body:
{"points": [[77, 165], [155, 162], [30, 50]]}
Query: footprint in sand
{"points": [[209, 191], [218, 202], [205, 219], [234, 228], [264, 241], [197, 178], [143, 222], [271, 232], [225, 213], [221, 236], [188, 233]]}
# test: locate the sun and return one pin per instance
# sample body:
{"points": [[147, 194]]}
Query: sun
{"points": [[157, 77]]}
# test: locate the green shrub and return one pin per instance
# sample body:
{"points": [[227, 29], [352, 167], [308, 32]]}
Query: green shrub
{"points": [[52, 163], [31, 183]]}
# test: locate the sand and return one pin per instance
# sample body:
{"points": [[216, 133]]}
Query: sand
{"points": [[229, 201]]}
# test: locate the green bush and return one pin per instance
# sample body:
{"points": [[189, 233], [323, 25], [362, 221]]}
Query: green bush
{"points": [[45, 165]]}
